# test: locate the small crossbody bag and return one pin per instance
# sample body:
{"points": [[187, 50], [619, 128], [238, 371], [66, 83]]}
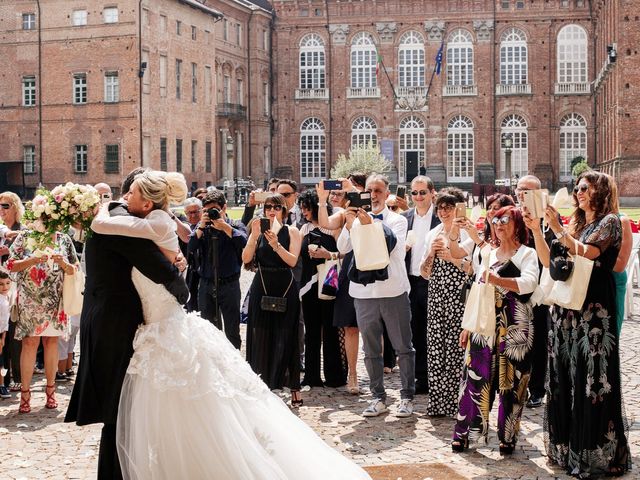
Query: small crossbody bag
{"points": [[273, 304]]}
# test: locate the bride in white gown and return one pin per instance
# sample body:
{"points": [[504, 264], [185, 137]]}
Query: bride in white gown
{"points": [[191, 407]]}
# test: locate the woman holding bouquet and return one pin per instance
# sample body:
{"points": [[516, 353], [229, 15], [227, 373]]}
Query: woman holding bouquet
{"points": [[39, 275]]}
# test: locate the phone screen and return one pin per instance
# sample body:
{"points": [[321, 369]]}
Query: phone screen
{"points": [[401, 191], [265, 224], [332, 184]]}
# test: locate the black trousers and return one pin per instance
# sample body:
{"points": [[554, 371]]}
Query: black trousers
{"points": [[108, 461], [193, 282], [418, 300], [11, 356], [229, 299], [539, 352]]}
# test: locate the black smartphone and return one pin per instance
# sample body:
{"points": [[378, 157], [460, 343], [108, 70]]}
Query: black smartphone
{"points": [[332, 184], [265, 224], [401, 191], [359, 200]]}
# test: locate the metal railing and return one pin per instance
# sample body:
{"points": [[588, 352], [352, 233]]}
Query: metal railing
{"points": [[231, 110]]}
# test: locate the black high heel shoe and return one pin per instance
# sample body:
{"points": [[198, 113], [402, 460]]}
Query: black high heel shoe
{"points": [[507, 448], [296, 399], [459, 446]]}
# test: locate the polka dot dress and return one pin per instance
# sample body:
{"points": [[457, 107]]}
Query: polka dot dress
{"points": [[444, 320]]}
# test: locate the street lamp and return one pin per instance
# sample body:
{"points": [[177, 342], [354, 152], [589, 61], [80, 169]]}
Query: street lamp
{"points": [[507, 142]]}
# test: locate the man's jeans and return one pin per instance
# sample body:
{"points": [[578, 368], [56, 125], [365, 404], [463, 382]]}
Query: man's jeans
{"points": [[228, 297]]}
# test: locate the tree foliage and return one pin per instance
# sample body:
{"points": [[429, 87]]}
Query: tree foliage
{"points": [[579, 167], [367, 159]]}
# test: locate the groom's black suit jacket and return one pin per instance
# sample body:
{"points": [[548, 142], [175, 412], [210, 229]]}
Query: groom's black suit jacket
{"points": [[111, 313]]}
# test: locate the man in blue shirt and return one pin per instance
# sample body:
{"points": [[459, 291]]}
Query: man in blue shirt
{"points": [[218, 242]]}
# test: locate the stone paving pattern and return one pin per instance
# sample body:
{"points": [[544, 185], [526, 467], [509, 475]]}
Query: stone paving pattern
{"points": [[39, 445]]}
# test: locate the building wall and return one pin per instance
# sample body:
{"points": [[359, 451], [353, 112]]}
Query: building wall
{"points": [[485, 21]]}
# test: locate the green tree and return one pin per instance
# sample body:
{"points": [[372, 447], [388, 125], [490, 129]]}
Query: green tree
{"points": [[362, 158], [579, 167]]}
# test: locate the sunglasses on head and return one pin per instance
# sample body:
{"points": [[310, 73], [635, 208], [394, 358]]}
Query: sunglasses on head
{"points": [[415, 193], [268, 206], [503, 220], [6, 206], [580, 188]]}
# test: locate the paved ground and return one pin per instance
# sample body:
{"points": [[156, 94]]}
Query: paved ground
{"points": [[39, 445]]}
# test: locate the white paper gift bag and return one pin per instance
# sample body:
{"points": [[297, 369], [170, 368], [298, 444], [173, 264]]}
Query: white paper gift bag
{"points": [[369, 246]]}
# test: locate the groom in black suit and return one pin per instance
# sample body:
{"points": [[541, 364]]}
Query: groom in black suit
{"points": [[111, 313]]}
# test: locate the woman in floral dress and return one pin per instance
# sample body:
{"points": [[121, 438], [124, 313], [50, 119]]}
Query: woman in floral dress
{"points": [[39, 280], [500, 363], [585, 431]]}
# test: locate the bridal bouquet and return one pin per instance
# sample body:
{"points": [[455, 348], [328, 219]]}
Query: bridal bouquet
{"points": [[66, 206]]}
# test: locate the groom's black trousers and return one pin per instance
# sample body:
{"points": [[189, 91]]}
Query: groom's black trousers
{"points": [[228, 297], [108, 462]]}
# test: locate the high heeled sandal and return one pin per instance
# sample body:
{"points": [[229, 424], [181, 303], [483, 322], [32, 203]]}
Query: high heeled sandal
{"points": [[460, 445], [51, 397], [352, 386], [25, 402], [615, 471], [296, 399], [507, 448]]}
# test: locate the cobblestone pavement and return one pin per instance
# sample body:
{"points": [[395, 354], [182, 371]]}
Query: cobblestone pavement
{"points": [[40, 445]]}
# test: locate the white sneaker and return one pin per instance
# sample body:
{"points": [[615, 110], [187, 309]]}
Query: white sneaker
{"points": [[405, 409], [375, 408]]}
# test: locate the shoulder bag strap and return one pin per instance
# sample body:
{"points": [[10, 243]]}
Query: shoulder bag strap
{"points": [[264, 289]]}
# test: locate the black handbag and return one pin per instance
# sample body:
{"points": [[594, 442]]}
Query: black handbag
{"points": [[273, 304], [560, 265]]}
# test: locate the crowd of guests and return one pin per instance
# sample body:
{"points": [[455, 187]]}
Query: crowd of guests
{"points": [[408, 313]]}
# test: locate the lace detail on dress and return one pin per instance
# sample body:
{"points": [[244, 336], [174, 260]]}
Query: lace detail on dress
{"points": [[604, 233], [176, 350]]}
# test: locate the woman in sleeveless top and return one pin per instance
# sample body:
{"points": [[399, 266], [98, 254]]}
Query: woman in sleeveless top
{"points": [[272, 336]]}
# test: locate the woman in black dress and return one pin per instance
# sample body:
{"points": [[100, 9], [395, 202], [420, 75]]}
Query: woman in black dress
{"points": [[585, 431], [319, 245], [272, 337]]}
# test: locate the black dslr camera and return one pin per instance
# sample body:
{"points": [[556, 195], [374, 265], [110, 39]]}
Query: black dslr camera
{"points": [[214, 213]]}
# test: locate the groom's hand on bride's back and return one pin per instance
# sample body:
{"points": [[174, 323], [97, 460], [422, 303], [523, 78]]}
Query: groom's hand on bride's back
{"points": [[178, 288]]}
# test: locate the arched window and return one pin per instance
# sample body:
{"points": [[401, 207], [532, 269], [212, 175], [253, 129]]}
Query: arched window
{"points": [[460, 58], [516, 126], [412, 148], [364, 61], [573, 142], [364, 131], [312, 62], [312, 151], [513, 57], [411, 60], [460, 147], [572, 54]]}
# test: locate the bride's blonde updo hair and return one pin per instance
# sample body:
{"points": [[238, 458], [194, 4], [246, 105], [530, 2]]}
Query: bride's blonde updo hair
{"points": [[162, 188]]}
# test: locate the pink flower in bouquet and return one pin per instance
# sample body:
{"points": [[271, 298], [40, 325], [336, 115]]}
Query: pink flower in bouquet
{"points": [[39, 200], [59, 198]]}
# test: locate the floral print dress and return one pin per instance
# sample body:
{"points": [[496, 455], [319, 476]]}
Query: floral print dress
{"points": [[585, 430], [40, 290]]}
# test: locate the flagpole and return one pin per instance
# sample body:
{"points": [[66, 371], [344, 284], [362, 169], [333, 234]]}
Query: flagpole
{"points": [[437, 64], [395, 96]]}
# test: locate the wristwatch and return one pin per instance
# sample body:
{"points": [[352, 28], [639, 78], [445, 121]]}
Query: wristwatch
{"points": [[560, 234]]}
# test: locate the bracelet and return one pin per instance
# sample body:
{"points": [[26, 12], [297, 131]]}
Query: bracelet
{"points": [[481, 244], [454, 239], [322, 204], [560, 234]]}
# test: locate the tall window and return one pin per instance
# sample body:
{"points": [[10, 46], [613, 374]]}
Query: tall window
{"points": [[460, 149], [226, 89], [412, 142], [163, 75], [28, 21], [29, 91], [460, 58], [110, 15], [513, 57], [163, 154], [194, 148], [364, 61], [80, 159], [178, 78], [573, 142], [80, 88], [312, 62], [111, 87], [312, 150], [112, 159], [364, 131], [207, 85], [79, 18], [163, 23], [516, 126], [29, 158], [194, 32], [411, 60], [240, 91], [194, 82], [178, 27], [225, 29], [238, 34], [207, 157], [572, 54], [178, 155], [266, 98]]}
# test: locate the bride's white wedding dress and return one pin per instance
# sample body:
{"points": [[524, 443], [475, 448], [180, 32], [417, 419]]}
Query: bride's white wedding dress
{"points": [[191, 407]]}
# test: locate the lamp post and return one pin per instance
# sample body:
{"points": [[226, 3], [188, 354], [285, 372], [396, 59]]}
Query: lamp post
{"points": [[507, 142]]}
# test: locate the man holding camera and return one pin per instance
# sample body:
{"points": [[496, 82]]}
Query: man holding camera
{"points": [[218, 242]]}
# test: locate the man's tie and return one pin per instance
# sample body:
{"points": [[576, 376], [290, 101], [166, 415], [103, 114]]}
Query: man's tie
{"points": [[377, 216]]}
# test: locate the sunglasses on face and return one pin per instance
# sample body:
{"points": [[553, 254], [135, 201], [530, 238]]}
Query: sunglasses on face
{"points": [[415, 193], [446, 208], [287, 194], [268, 206], [580, 188], [502, 220], [6, 206]]}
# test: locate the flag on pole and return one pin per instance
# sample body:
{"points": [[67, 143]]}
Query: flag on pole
{"points": [[379, 62], [439, 58]]}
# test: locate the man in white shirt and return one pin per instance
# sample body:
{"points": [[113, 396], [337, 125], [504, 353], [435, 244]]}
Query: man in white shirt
{"points": [[383, 302], [420, 219]]}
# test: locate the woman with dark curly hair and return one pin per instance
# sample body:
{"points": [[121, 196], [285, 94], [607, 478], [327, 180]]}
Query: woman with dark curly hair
{"points": [[585, 431]]}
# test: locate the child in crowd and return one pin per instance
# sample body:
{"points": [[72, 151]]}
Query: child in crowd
{"points": [[5, 288]]}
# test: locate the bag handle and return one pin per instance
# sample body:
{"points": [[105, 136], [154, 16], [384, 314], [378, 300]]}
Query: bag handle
{"points": [[264, 289], [485, 262]]}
